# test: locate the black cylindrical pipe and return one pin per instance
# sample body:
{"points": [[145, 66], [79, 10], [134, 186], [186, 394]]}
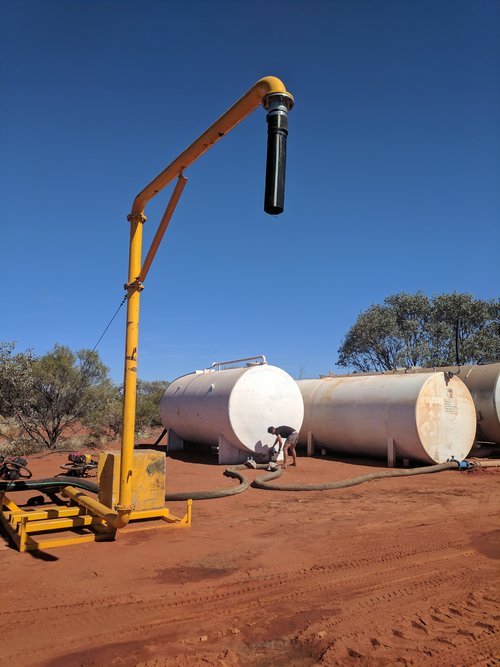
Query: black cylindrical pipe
{"points": [[278, 106]]}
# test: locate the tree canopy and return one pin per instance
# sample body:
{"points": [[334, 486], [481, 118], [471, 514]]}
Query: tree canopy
{"points": [[47, 398], [147, 413], [415, 330]]}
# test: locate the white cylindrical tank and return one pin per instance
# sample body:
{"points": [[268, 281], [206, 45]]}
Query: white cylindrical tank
{"points": [[233, 408], [429, 417]]}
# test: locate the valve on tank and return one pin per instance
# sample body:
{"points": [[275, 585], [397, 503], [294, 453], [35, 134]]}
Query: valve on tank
{"points": [[277, 105]]}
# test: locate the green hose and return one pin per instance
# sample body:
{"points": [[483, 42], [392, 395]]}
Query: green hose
{"points": [[263, 482]]}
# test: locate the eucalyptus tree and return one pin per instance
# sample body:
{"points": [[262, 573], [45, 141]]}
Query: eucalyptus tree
{"points": [[416, 330]]}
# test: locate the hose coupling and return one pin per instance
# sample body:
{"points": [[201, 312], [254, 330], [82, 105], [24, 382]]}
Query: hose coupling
{"points": [[279, 103], [461, 465]]}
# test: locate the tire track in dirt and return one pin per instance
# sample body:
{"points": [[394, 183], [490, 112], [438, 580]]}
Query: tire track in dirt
{"points": [[370, 585], [474, 522], [454, 634], [349, 582], [467, 648], [258, 580]]}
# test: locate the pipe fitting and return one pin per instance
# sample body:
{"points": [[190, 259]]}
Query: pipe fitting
{"points": [[136, 217], [278, 102], [123, 517], [277, 105]]}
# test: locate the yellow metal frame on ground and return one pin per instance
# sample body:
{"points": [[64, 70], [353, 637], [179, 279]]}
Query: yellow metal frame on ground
{"points": [[27, 526]]}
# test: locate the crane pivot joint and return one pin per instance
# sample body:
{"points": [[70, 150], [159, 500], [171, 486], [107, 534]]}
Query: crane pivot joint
{"points": [[136, 217], [136, 285]]}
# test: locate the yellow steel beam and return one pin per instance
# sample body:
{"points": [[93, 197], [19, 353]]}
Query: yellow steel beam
{"points": [[50, 513], [162, 513], [40, 543], [12, 532], [179, 187], [59, 524], [10, 504], [137, 515], [130, 374]]}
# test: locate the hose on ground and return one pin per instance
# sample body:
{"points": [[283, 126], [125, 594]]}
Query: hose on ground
{"points": [[263, 481], [484, 463], [49, 484], [55, 484], [218, 493]]}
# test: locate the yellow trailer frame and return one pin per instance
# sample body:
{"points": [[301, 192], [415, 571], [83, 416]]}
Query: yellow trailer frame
{"points": [[33, 529]]}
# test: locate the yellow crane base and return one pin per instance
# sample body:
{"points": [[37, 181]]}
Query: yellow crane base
{"points": [[35, 529]]}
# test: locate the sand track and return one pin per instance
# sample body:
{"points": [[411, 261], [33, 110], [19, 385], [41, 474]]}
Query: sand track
{"points": [[396, 572]]}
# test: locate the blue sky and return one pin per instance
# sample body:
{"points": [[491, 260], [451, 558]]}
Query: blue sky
{"points": [[392, 178]]}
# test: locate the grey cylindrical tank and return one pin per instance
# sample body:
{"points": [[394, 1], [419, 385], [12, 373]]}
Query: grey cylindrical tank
{"points": [[483, 382], [429, 417], [233, 408]]}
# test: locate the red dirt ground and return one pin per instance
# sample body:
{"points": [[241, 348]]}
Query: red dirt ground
{"points": [[393, 572]]}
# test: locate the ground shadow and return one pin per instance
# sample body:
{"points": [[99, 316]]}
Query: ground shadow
{"points": [[40, 555], [195, 452], [361, 460]]}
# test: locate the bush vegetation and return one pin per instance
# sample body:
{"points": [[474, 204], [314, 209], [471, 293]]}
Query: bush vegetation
{"points": [[410, 330], [65, 397]]}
